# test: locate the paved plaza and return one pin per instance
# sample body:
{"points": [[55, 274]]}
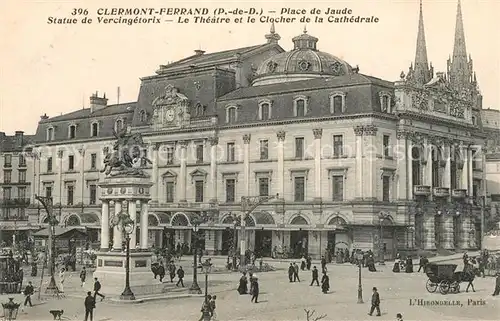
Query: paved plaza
{"points": [[281, 300]]}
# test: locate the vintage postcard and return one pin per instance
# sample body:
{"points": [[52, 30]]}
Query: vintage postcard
{"points": [[250, 160]]}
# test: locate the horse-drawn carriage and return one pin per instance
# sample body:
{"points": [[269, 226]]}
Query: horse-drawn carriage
{"points": [[444, 277]]}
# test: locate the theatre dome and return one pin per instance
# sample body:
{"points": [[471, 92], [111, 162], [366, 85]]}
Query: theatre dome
{"points": [[305, 61]]}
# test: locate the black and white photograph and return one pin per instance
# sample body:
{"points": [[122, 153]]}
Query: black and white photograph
{"points": [[250, 160]]}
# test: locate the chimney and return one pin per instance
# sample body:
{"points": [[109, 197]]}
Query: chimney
{"points": [[97, 103], [199, 52], [44, 117], [19, 138]]}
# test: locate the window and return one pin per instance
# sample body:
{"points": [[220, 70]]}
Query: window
{"points": [[95, 128], [386, 185], [337, 103], [200, 110], [21, 193], [299, 147], [199, 189], [7, 193], [71, 162], [265, 111], [230, 190], [48, 191], [50, 133], [386, 145], [170, 189], [338, 146], [337, 188], [22, 160], [142, 116], [385, 101], [170, 155], [263, 186], [231, 115], [264, 149], [93, 161], [93, 194], [300, 108], [7, 176], [49, 164], [230, 152], [118, 125], [72, 131], [199, 153], [7, 160], [70, 190], [22, 176], [299, 189]]}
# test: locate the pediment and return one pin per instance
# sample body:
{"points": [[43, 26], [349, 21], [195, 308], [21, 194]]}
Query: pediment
{"points": [[198, 172], [169, 173], [170, 96]]}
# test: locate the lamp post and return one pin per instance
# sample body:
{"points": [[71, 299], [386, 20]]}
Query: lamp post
{"points": [[360, 287], [382, 216], [10, 309], [234, 245], [207, 267], [195, 222], [128, 227]]}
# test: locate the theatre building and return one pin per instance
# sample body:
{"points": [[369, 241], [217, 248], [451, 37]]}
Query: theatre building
{"points": [[352, 161]]}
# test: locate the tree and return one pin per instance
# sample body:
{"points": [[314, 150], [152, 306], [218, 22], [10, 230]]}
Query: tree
{"points": [[310, 315]]}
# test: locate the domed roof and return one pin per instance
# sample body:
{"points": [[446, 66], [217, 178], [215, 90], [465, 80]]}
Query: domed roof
{"points": [[304, 61]]}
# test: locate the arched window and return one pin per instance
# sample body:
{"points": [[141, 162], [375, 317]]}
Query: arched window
{"points": [[200, 109], [265, 110], [300, 106], [50, 133], [73, 220], [337, 103], [71, 131], [142, 116], [385, 102], [231, 115], [118, 125], [94, 129]]}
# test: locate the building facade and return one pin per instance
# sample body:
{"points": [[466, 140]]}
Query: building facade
{"points": [[492, 130], [350, 160]]}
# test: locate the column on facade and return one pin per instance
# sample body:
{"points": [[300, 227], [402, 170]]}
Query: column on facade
{"points": [[214, 141], [59, 176], [358, 131], [466, 227], [428, 146], [144, 226], [371, 182], [317, 132], [246, 164], [429, 231], [210, 242], [409, 168], [447, 167], [447, 238], [281, 163], [464, 179], [104, 225], [470, 172], [401, 166], [117, 233], [132, 213], [182, 171], [155, 189]]}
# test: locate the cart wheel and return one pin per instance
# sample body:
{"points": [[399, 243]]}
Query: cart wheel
{"points": [[457, 288], [431, 286], [444, 287]]}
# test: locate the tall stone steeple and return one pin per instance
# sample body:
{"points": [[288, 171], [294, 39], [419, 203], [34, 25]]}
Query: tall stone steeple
{"points": [[272, 36], [421, 72], [460, 69]]}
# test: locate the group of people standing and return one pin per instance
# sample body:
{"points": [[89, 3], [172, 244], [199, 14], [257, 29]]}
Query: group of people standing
{"points": [[251, 282], [406, 264]]}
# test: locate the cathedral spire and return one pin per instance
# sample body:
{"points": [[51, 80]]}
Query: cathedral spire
{"points": [[421, 72], [272, 36], [459, 69]]}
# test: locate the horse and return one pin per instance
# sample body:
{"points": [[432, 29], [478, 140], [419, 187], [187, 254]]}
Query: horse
{"points": [[468, 275]]}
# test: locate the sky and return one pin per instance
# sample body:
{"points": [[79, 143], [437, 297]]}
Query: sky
{"points": [[53, 69]]}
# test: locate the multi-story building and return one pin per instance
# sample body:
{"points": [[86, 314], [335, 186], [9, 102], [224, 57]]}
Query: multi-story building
{"points": [[16, 189], [491, 127], [354, 161]]}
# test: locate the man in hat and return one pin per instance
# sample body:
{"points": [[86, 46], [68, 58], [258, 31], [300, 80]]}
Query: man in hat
{"points": [[255, 290], [375, 302], [497, 285]]}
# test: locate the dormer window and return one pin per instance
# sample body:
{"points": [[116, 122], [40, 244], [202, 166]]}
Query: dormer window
{"points": [[71, 131], [337, 103], [118, 125], [50, 133], [385, 102], [300, 106], [142, 116], [265, 109], [200, 109], [94, 129], [231, 114]]}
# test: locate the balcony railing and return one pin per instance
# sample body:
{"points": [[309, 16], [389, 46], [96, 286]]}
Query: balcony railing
{"points": [[441, 191], [15, 202], [421, 190], [459, 193]]}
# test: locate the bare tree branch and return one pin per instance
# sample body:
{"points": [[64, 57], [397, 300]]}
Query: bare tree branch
{"points": [[310, 315]]}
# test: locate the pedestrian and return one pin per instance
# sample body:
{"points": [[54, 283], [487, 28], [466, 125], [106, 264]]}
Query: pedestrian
{"points": [[399, 317], [89, 306], [323, 264], [255, 290], [171, 271], [497, 285], [97, 288], [83, 276], [314, 273], [62, 277], [212, 307], [308, 263], [296, 272], [205, 307], [375, 302], [242, 287], [325, 283], [291, 272], [180, 275], [303, 263], [161, 272], [28, 292], [250, 281]]}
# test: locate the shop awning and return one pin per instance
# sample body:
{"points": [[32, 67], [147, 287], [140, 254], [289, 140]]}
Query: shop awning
{"points": [[61, 231]]}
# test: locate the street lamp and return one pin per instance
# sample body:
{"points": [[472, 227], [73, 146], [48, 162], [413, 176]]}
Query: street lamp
{"points": [[10, 309], [360, 288], [382, 216], [195, 288], [234, 245], [128, 226]]}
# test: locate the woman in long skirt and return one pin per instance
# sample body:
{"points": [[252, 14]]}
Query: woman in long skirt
{"points": [[242, 288], [325, 283]]}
